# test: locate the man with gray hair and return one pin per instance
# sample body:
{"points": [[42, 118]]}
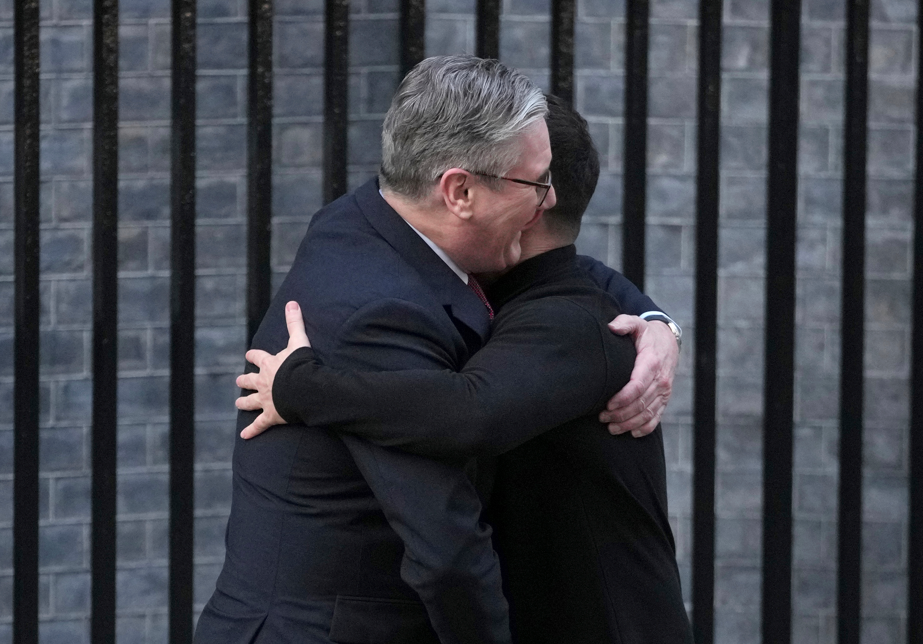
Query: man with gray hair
{"points": [[332, 538]]}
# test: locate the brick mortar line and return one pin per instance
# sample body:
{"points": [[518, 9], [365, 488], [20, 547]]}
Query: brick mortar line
{"points": [[136, 275], [201, 173]]}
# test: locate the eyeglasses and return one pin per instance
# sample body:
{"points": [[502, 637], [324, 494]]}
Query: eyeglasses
{"points": [[541, 187]]}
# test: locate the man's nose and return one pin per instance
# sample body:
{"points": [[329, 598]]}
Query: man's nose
{"points": [[550, 199]]}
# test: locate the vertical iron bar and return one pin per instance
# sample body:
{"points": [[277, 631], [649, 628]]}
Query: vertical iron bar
{"points": [[915, 522], [487, 26], [26, 370], [259, 165], [562, 49], [182, 320], [706, 321], [852, 327], [779, 385], [105, 314], [413, 33], [336, 107], [635, 136]]}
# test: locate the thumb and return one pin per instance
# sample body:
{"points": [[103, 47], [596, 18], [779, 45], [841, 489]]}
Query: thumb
{"points": [[625, 324], [295, 323]]}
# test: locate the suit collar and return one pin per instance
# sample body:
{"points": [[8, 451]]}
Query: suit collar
{"points": [[459, 301]]}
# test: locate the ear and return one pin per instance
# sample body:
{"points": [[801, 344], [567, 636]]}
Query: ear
{"points": [[455, 190]]}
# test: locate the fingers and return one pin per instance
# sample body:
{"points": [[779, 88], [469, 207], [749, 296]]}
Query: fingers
{"points": [[297, 337], [643, 375], [640, 424], [248, 381], [639, 416], [621, 414], [262, 382], [646, 429], [631, 424], [638, 407], [256, 356], [641, 380], [257, 427], [249, 403]]}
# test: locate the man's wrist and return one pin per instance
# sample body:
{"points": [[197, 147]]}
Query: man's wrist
{"points": [[675, 329], [281, 392]]}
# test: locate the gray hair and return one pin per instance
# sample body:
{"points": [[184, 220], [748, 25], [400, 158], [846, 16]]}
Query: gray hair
{"points": [[455, 112]]}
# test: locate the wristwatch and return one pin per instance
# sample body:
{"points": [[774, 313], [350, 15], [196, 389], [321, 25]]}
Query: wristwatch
{"points": [[673, 326]]}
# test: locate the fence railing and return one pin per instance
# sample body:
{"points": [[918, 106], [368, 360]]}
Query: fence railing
{"points": [[780, 286], [26, 367]]}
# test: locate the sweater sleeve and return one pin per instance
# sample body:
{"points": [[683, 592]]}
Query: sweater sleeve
{"points": [[547, 363]]}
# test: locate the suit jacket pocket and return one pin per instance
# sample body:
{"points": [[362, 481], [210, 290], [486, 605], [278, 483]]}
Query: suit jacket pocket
{"points": [[369, 620]]}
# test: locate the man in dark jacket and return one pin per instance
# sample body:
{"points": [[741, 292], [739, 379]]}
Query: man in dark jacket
{"points": [[580, 516]]}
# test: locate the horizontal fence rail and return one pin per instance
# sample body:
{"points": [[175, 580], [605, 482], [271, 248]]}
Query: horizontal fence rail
{"points": [[485, 30]]}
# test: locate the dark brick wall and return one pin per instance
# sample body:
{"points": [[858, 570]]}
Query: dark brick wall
{"points": [[222, 84]]}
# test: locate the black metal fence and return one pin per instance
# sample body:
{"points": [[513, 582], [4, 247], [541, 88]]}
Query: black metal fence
{"points": [[780, 286]]}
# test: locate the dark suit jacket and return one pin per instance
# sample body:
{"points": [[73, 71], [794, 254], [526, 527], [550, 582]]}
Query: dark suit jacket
{"points": [[330, 537], [580, 516]]}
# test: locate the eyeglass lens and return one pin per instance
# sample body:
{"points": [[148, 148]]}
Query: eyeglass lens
{"points": [[542, 191]]}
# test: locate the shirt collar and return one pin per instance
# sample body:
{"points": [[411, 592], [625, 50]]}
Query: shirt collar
{"points": [[442, 254]]}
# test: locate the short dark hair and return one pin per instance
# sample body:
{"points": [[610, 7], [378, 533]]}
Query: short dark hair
{"points": [[574, 167]]}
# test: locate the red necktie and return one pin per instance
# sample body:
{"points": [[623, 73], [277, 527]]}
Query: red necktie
{"points": [[474, 286]]}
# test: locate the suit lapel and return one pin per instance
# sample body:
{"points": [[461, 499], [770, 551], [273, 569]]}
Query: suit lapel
{"points": [[459, 301]]}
